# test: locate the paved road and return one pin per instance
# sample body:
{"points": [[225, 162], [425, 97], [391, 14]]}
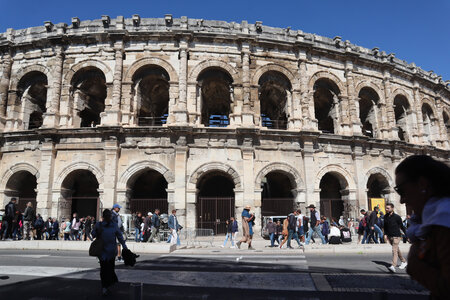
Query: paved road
{"points": [[207, 275]]}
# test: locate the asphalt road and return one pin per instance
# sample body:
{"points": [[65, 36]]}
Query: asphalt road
{"points": [[74, 275]]}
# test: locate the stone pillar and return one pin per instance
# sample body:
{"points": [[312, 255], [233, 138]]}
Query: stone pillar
{"points": [[442, 128], [248, 119], [355, 122], [390, 115], [309, 173], [418, 135], [360, 195], [45, 180], [112, 152], [179, 186], [180, 112], [306, 100], [113, 113], [51, 117], [126, 104], [6, 62], [248, 188]]}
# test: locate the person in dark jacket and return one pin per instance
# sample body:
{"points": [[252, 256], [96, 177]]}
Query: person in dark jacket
{"points": [[372, 221], [292, 229], [54, 233], [325, 228], [271, 229], [109, 232], [28, 219], [423, 185], [279, 232], [392, 226], [88, 228], [231, 226], [47, 228], [137, 226], [156, 224], [9, 218], [39, 226]]}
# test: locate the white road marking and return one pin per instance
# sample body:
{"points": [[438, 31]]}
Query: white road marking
{"points": [[39, 271], [235, 256], [25, 255]]}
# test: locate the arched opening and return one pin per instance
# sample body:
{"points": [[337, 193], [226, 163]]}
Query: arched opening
{"points": [[22, 185], [216, 92], [89, 90], [446, 123], [215, 201], [274, 92], [277, 198], [151, 88], [333, 189], [326, 102], [148, 191], [401, 111], [428, 123], [80, 194], [377, 187], [32, 90], [368, 101]]}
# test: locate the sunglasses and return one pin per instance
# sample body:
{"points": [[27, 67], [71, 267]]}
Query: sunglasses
{"points": [[399, 189]]}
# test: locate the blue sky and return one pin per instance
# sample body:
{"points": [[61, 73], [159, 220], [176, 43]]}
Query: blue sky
{"points": [[415, 30]]}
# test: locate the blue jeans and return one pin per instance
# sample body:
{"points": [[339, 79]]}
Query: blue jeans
{"points": [[292, 234], [5, 226], [311, 231], [231, 237], [137, 236], [272, 239], [379, 232]]}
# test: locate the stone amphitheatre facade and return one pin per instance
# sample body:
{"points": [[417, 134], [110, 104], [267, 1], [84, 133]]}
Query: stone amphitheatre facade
{"points": [[207, 117]]}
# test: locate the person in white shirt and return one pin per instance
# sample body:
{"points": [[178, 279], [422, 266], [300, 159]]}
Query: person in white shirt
{"points": [[335, 235]]}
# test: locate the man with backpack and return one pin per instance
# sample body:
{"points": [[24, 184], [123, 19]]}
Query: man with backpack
{"points": [[9, 218], [28, 219], [39, 226]]}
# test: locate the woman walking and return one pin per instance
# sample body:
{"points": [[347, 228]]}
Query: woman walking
{"points": [[285, 232], [108, 231]]}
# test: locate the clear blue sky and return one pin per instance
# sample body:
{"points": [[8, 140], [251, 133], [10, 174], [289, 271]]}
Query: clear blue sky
{"points": [[416, 30]]}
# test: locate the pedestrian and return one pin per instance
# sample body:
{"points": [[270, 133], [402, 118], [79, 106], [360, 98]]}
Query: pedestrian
{"points": [[392, 226], [292, 229], [146, 233], [364, 226], [230, 224], [75, 227], [137, 226], [67, 230], [314, 225], [247, 228], [325, 228], [155, 225], [174, 226], [109, 232], [335, 235], [271, 228], [341, 221], [374, 230], [300, 231], [279, 232], [306, 228], [346, 235], [423, 185], [115, 218], [39, 226], [28, 219], [54, 234], [406, 224], [88, 228], [285, 231], [9, 218]]}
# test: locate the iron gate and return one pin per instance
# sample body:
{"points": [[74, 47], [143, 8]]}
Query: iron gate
{"points": [[332, 208], [212, 212], [149, 205], [277, 206]]}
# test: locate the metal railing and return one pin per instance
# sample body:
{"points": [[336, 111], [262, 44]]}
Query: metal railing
{"points": [[152, 121], [273, 124]]}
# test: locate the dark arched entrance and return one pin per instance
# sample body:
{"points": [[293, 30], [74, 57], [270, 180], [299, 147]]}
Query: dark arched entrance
{"points": [[215, 201], [148, 192], [22, 185], [377, 187], [80, 190], [331, 202], [277, 198]]}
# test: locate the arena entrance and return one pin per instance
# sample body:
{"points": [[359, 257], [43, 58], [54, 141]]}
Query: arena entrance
{"points": [[377, 187], [276, 198], [80, 192], [215, 201], [332, 186], [22, 185], [148, 192]]}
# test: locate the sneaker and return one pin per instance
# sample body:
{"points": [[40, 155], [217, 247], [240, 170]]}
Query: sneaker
{"points": [[222, 246], [392, 269], [403, 265], [238, 244], [251, 248], [289, 247], [233, 247], [119, 258]]}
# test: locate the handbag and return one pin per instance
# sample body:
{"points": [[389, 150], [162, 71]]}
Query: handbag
{"points": [[96, 247]]}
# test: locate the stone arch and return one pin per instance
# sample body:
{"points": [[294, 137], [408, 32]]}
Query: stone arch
{"points": [[342, 175], [79, 166], [289, 171], [330, 76], [17, 168], [273, 67], [401, 92], [89, 63], [128, 75], [383, 172], [32, 68], [426, 100], [365, 83], [195, 72], [137, 167], [215, 166]]}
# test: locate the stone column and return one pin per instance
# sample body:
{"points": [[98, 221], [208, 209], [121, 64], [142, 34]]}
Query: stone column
{"points": [[309, 172], [442, 128], [113, 113], [45, 179], [305, 101], [51, 117], [354, 121], [390, 115], [248, 119], [112, 151], [6, 62], [418, 135], [360, 194], [180, 112], [248, 184], [179, 185]]}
